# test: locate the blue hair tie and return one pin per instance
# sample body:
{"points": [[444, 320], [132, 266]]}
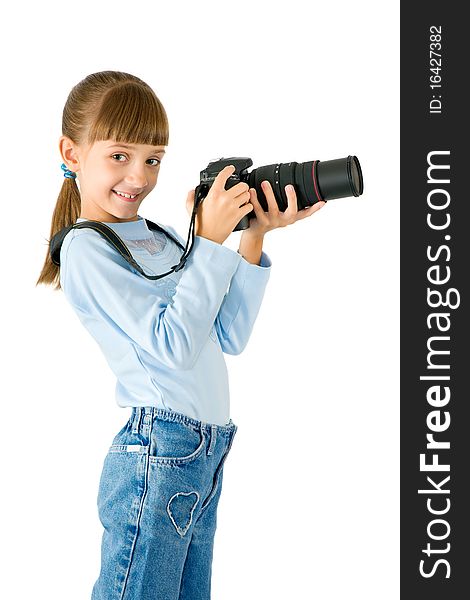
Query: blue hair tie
{"points": [[67, 172]]}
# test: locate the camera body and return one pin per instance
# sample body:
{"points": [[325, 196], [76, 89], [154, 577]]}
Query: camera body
{"points": [[208, 175]]}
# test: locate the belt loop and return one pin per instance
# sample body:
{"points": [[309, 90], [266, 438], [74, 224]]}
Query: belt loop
{"points": [[135, 428], [147, 420], [213, 439]]}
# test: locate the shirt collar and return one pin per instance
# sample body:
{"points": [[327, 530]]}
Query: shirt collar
{"points": [[130, 229]]}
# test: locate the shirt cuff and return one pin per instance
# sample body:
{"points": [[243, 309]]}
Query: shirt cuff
{"points": [[264, 262], [209, 250]]}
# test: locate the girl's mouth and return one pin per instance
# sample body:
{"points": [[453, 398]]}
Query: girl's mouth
{"points": [[124, 197]]}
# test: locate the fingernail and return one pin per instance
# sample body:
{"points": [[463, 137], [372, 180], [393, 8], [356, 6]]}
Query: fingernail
{"points": [[290, 188]]}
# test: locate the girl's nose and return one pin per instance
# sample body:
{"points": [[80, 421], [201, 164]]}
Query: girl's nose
{"points": [[137, 178]]}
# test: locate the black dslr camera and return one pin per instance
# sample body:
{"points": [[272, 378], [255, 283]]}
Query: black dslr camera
{"points": [[313, 181]]}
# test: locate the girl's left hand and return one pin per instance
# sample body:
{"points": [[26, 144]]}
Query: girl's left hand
{"points": [[266, 221]]}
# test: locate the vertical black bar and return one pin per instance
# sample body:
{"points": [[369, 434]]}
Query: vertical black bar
{"points": [[435, 358]]}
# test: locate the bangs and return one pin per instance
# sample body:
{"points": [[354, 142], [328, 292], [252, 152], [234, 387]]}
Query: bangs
{"points": [[130, 113]]}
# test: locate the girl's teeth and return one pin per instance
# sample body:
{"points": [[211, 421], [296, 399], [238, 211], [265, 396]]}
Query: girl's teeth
{"points": [[125, 195]]}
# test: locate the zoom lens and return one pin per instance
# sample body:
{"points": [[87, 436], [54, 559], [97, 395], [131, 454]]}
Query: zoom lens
{"points": [[313, 181]]}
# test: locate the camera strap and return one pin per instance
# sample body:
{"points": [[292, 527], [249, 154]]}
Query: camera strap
{"points": [[111, 236]]}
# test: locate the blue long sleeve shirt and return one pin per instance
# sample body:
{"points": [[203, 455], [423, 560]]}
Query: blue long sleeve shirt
{"points": [[164, 339]]}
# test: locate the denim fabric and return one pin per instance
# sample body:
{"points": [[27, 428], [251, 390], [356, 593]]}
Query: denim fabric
{"points": [[157, 501]]}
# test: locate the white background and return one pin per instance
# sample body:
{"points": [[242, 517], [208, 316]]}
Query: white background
{"points": [[310, 507]]}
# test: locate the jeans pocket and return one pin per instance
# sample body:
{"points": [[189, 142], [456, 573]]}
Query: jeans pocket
{"points": [[127, 440], [176, 442], [121, 488]]}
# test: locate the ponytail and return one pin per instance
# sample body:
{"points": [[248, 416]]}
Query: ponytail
{"points": [[66, 212]]}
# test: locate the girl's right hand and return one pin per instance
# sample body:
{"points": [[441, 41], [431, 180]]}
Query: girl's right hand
{"points": [[221, 210]]}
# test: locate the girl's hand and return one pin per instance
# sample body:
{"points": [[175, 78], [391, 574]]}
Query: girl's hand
{"points": [[221, 209], [266, 221]]}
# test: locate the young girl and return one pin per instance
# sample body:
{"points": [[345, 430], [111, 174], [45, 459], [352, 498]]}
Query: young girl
{"points": [[164, 338]]}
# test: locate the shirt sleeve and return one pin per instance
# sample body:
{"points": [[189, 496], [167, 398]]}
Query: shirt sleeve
{"points": [[98, 281], [241, 304]]}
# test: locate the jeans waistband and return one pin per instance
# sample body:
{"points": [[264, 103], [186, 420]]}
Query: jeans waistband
{"points": [[148, 414]]}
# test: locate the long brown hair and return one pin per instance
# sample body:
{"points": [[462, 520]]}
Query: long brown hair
{"points": [[108, 105]]}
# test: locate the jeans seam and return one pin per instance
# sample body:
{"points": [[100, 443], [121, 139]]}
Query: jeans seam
{"points": [[136, 536]]}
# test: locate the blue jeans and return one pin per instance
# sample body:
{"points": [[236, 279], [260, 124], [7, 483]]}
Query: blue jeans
{"points": [[157, 501]]}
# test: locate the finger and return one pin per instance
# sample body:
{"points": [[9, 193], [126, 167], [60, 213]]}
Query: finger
{"points": [[292, 207], [222, 176], [239, 189], [243, 198], [254, 197], [248, 208], [273, 208], [306, 212], [256, 205]]}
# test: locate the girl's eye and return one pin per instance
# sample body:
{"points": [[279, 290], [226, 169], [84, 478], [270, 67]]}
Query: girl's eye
{"points": [[158, 161]]}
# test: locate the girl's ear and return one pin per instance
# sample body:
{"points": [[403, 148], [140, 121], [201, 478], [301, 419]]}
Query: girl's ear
{"points": [[68, 152]]}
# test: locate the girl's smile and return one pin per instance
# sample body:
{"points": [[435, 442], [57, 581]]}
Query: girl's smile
{"points": [[127, 199]]}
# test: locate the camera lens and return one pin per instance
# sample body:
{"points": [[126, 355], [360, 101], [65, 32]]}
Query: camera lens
{"points": [[313, 181], [356, 175], [339, 178]]}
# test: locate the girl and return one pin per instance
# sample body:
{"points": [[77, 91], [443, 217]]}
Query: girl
{"points": [[164, 338]]}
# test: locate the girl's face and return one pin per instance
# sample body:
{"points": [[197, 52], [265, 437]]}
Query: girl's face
{"points": [[108, 167]]}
